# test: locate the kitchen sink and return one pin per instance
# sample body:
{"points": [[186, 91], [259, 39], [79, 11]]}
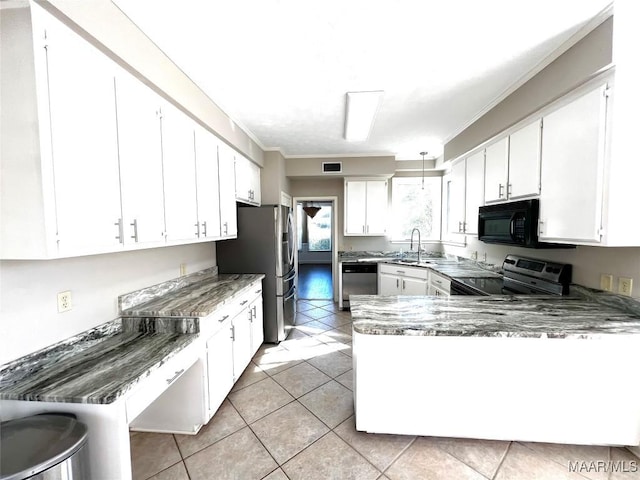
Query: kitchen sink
{"points": [[406, 261]]}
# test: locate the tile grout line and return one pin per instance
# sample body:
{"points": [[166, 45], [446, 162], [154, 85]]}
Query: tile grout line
{"points": [[502, 460]]}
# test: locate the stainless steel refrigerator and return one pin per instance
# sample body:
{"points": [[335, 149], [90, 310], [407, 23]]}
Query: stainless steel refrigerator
{"points": [[266, 244]]}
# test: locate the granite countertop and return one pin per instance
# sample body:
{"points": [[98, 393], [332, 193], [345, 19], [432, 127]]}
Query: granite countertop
{"points": [[586, 314], [97, 366], [450, 267], [196, 299], [102, 364]]}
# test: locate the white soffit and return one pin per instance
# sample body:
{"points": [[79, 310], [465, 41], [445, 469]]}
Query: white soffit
{"points": [[281, 68]]}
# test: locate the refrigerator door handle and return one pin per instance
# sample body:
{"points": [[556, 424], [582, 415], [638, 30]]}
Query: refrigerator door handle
{"points": [[293, 293], [290, 276]]}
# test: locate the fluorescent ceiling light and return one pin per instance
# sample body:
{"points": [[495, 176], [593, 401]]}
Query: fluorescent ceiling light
{"points": [[362, 108]]}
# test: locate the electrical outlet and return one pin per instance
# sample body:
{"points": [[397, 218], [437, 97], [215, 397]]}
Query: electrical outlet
{"points": [[183, 269], [625, 286], [606, 282], [64, 301]]}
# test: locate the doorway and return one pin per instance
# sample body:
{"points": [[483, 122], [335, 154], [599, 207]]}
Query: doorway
{"points": [[315, 220]]}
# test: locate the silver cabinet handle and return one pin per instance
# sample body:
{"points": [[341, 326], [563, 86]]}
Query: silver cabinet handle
{"points": [[367, 228], [172, 379], [244, 302], [120, 236], [500, 188], [226, 228], [362, 228], [197, 225], [233, 333], [204, 228], [259, 291], [540, 223], [459, 227], [223, 318], [509, 190], [404, 284], [397, 283], [134, 224], [401, 272], [254, 313]]}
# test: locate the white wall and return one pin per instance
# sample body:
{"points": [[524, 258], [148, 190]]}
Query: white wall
{"points": [[588, 262], [29, 319]]}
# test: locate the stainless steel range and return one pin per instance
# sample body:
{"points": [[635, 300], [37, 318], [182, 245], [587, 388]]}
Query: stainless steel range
{"points": [[523, 276]]}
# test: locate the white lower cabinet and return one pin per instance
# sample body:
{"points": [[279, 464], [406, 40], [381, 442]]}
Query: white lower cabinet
{"points": [[233, 335], [219, 365], [439, 285], [401, 280]]}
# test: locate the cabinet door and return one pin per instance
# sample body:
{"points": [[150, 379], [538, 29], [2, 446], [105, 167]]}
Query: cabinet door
{"points": [[257, 324], [572, 170], [414, 286], [524, 161], [474, 195], [207, 184], [242, 180], [389, 284], [219, 366], [228, 215], [178, 159], [242, 353], [495, 180], [456, 199], [377, 205], [139, 146], [84, 143], [355, 207], [254, 177]]}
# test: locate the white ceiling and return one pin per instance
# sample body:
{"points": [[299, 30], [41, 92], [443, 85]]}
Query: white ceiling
{"points": [[281, 68]]}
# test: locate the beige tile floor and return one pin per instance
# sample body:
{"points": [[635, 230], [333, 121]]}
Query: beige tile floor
{"points": [[290, 416]]}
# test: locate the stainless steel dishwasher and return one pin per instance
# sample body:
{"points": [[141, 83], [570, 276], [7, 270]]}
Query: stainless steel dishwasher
{"points": [[358, 278]]}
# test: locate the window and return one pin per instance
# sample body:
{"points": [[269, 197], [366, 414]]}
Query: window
{"points": [[415, 207], [314, 234]]}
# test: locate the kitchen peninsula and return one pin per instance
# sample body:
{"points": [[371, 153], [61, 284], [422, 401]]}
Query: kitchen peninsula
{"points": [[531, 368], [161, 367]]}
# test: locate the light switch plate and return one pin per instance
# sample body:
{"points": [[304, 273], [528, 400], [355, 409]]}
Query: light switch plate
{"points": [[606, 282]]}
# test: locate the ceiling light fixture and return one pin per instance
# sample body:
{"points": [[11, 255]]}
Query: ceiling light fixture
{"points": [[423, 154], [361, 110]]}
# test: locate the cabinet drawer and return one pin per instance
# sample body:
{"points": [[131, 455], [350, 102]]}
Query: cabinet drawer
{"points": [[404, 271], [440, 282], [153, 386], [210, 324]]}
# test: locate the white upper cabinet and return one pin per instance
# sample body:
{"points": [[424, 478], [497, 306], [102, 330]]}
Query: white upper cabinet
{"points": [[178, 159], [464, 191], [83, 143], [513, 165], [524, 161], [366, 204], [228, 214], [60, 192], [474, 194], [456, 198], [573, 156], [497, 170], [139, 147], [208, 194], [247, 181]]}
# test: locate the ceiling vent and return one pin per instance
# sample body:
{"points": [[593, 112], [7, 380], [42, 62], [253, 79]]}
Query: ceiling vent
{"points": [[331, 167]]}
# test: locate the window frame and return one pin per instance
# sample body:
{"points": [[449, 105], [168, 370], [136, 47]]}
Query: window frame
{"points": [[436, 182]]}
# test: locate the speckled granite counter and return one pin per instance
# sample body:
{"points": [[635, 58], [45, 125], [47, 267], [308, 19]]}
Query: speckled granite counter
{"points": [[586, 314]]}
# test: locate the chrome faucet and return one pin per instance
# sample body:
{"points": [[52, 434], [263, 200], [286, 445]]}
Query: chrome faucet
{"points": [[419, 242]]}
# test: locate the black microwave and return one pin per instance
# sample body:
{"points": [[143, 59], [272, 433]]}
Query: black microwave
{"points": [[512, 223]]}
